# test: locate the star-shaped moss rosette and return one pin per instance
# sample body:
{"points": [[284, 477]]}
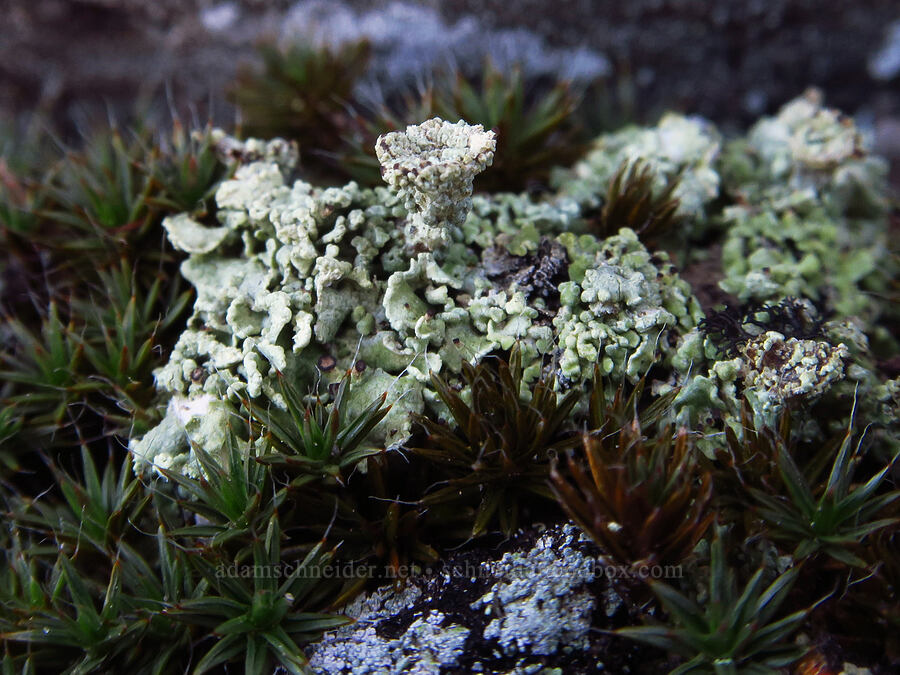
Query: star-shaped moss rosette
{"points": [[432, 166]]}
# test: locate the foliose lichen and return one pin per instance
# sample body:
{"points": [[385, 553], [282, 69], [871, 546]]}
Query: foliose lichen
{"points": [[810, 213], [623, 307], [806, 217], [396, 283], [294, 273]]}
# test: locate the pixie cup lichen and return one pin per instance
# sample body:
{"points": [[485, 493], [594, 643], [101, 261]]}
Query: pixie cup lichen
{"points": [[432, 166]]}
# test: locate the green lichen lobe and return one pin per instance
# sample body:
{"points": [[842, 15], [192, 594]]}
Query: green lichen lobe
{"points": [[421, 276]]}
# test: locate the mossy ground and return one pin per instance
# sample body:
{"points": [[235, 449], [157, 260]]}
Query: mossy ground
{"points": [[105, 572]]}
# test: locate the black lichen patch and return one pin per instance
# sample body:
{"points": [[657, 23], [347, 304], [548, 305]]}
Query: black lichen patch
{"points": [[537, 274], [791, 317], [733, 326]]}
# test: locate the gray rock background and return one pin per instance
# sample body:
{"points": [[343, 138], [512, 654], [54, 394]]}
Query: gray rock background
{"points": [[729, 60]]}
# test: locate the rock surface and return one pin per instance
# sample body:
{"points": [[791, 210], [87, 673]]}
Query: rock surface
{"points": [[529, 606]]}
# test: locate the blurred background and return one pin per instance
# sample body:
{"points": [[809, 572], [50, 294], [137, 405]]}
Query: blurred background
{"points": [[65, 64]]}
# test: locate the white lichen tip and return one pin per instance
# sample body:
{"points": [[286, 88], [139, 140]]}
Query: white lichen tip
{"points": [[432, 166], [435, 149]]}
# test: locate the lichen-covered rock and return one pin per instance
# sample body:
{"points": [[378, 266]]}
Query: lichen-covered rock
{"points": [[431, 642], [392, 285], [529, 607], [540, 603]]}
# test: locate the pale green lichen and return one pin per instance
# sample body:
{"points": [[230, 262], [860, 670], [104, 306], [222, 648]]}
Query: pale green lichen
{"points": [[679, 148], [232, 151], [780, 249], [302, 272], [518, 222], [294, 265], [773, 373], [811, 212], [432, 166], [203, 420], [810, 147], [626, 310], [398, 283], [189, 236]]}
